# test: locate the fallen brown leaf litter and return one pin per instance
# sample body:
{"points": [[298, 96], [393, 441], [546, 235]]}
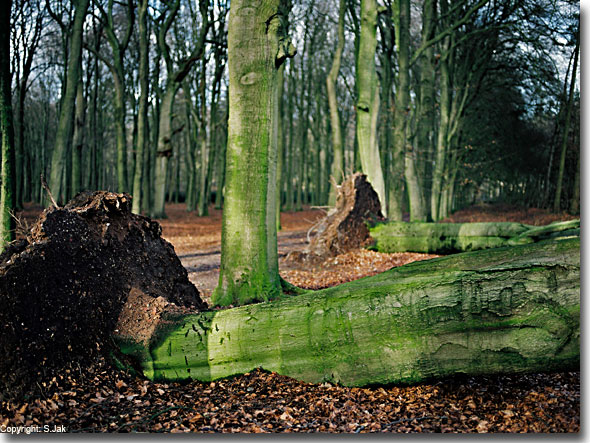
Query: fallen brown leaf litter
{"points": [[101, 399]]}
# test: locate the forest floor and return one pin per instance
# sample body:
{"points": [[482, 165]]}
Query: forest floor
{"points": [[105, 400]]}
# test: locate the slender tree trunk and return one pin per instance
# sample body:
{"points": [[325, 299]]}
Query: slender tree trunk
{"points": [[221, 160], [566, 130], [401, 145], [280, 140], [78, 140], [19, 132], [575, 202], [290, 157], [441, 147], [368, 101], [7, 167], [204, 147], [425, 126], [337, 170], [66, 116], [142, 115], [120, 135], [256, 48], [163, 152]]}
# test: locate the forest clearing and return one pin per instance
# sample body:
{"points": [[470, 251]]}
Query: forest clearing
{"points": [[343, 216]]}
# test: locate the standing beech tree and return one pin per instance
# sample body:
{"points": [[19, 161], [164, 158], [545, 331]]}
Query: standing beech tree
{"points": [[337, 173], [66, 116], [142, 117], [257, 46], [174, 78], [6, 126], [367, 113]]}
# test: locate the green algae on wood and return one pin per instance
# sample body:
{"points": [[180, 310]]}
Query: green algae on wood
{"points": [[495, 311], [445, 238]]}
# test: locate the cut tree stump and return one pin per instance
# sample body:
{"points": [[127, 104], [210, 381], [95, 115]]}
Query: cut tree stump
{"points": [[449, 238], [503, 310]]}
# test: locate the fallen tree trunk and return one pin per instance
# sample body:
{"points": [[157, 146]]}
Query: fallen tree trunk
{"points": [[501, 310], [450, 238]]}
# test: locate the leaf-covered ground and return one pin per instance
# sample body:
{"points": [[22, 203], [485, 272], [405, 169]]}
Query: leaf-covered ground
{"points": [[104, 400], [107, 400]]}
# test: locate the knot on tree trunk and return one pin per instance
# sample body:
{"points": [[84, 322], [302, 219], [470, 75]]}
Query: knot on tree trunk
{"points": [[345, 227], [66, 287]]}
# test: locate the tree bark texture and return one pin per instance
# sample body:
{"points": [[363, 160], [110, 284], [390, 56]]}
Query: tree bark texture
{"points": [[368, 101], [256, 48], [142, 117], [484, 312], [566, 130], [7, 166], [66, 115], [337, 169], [449, 238]]}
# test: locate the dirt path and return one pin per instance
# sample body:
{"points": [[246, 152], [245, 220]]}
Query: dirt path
{"points": [[203, 265]]}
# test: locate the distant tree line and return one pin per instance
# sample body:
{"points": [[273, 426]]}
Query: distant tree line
{"points": [[441, 103]]}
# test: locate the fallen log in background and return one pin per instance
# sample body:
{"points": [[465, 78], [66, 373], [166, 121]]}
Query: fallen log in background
{"points": [[449, 238], [494, 311]]}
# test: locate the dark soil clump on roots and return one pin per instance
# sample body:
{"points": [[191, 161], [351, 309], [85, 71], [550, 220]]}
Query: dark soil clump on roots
{"points": [[66, 284]]}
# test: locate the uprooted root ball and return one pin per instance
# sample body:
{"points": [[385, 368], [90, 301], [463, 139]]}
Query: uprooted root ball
{"points": [[63, 288]]}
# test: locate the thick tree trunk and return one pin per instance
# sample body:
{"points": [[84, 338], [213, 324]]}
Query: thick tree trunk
{"points": [[368, 101], [256, 48], [496, 311], [445, 238]]}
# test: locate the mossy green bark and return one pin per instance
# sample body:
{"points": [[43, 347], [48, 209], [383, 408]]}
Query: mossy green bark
{"points": [[7, 153], [367, 106], [448, 238], [66, 114], [256, 48], [504, 310]]}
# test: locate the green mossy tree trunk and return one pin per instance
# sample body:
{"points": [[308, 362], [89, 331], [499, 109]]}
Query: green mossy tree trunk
{"points": [[280, 140], [425, 132], [174, 80], [401, 143], [116, 65], [257, 46], [448, 238], [337, 169], [7, 168], [66, 115], [497, 311], [441, 145], [142, 114], [368, 102], [78, 139]]}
